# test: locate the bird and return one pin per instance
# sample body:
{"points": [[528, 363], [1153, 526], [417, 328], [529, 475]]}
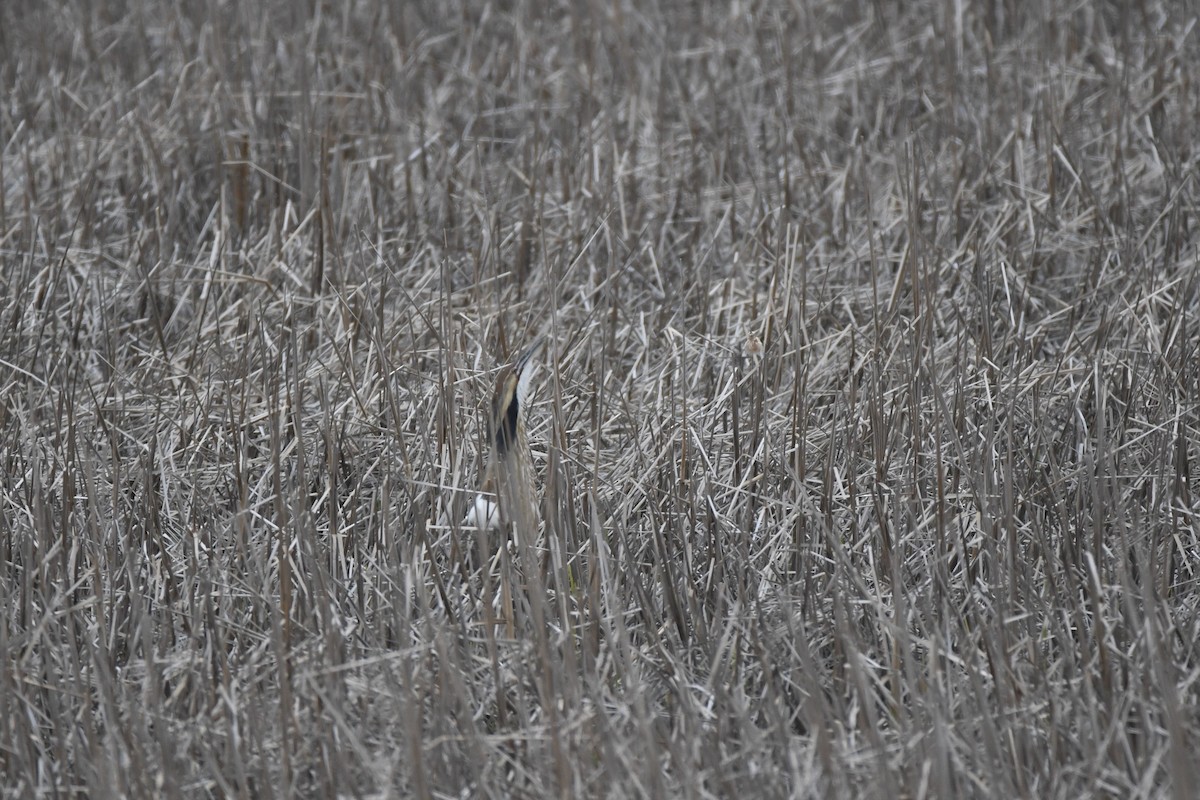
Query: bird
{"points": [[507, 498]]}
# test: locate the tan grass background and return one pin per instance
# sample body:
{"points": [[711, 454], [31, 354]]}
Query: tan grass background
{"points": [[867, 430]]}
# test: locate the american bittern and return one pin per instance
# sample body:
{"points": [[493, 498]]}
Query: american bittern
{"points": [[506, 496]]}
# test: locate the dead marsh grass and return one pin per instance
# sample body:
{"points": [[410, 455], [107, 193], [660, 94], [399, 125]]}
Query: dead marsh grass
{"points": [[867, 431]]}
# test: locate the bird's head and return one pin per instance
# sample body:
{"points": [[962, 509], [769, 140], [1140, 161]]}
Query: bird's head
{"points": [[508, 403]]}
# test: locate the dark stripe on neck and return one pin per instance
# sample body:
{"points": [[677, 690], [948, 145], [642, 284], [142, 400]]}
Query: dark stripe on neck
{"points": [[506, 428]]}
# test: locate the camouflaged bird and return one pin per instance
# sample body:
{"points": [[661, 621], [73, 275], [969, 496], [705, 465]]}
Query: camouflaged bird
{"points": [[507, 498]]}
